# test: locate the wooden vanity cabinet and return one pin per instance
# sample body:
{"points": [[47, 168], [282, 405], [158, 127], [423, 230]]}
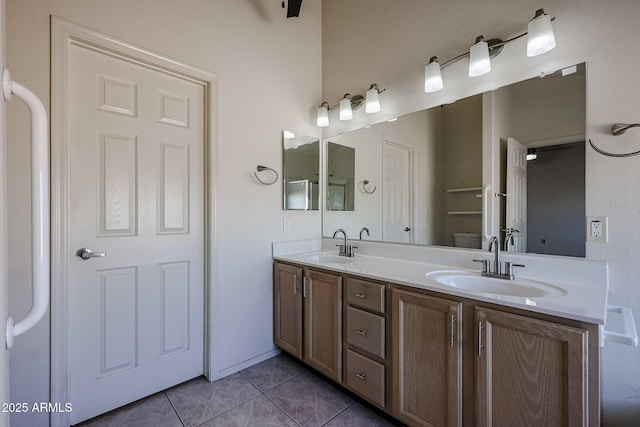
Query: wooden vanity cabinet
{"points": [[323, 323], [426, 362], [531, 372], [429, 359], [287, 308], [365, 339], [308, 318]]}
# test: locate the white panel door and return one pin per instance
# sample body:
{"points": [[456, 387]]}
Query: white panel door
{"points": [[136, 194], [396, 194], [517, 194]]}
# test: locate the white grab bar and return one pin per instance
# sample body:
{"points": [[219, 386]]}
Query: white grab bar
{"points": [[486, 198], [41, 268]]}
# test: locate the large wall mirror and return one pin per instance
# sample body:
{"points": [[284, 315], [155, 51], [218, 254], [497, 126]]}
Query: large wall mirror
{"points": [[301, 171], [432, 168]]}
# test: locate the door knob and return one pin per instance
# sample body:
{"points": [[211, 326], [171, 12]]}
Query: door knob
{"points": [[407, 229], [85, 253]]}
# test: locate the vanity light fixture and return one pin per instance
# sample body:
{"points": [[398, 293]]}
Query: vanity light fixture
{"points": [[322, 118], [433, 76], [372, 103], [479, 61], [540, 40], [346, 112], [349, 103]]}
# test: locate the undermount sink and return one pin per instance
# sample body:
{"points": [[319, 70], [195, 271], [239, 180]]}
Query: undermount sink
{"points": [[475, 282], [329, 259]]}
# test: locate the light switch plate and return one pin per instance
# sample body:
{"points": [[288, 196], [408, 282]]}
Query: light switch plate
{"points": [[286, 224], [597, 229]]}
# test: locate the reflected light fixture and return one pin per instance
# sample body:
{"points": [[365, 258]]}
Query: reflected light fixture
{"points": [[372, 102], [349, 103], [346, 112], [540, 40], [322, 119]]}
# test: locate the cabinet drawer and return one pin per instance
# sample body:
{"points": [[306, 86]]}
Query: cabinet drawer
{"points": [[365, 377], [369, 295], [365, 331]]}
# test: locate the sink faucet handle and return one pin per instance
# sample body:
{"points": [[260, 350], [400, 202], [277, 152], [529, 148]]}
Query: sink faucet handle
{"points": [[351, 248], [485, 264], [508, 268]]}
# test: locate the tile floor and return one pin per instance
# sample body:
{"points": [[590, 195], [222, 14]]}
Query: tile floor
{"points": [[276, 392]]}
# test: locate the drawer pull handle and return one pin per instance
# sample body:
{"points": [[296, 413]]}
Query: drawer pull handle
{"points": [[361, 296], [362, 376], [361, 332]]}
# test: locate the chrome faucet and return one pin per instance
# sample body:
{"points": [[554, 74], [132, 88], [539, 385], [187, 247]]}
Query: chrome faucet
{"points": [[494, 243], [364, 229], [345, 249], [509, 239]]}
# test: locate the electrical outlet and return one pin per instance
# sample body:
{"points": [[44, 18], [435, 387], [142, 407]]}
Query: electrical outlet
{"points": [[286, 224], [597, 229]]}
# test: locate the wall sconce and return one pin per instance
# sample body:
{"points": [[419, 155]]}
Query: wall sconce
{"points": [[349, 103], [540, 40]]}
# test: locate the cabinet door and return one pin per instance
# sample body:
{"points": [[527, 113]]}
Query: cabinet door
{"points": [[287, 310], [323, 323], [426, 359], [529, 372]]}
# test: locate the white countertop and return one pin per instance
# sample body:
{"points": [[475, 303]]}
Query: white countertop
{"points": [[585, 298]]}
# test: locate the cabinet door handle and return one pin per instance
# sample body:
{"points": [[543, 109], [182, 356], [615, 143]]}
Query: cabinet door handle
{"points": [[362, 296], [453, 329], [480, 345], [361, 332], [295, 284], [361, 376], [305, 287]]}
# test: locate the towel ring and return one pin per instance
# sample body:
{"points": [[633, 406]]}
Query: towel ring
{"points": [[365, 189], [616, 130], [261, 168]]}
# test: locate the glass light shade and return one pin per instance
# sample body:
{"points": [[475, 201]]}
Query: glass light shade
{"points": [[540, 38], [433, 77], [322, 119], [479, 62], [373, 101], [346, 113]]}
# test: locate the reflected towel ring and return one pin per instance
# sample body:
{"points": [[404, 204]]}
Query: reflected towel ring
{"points": [[365, 189], [261, 168]]}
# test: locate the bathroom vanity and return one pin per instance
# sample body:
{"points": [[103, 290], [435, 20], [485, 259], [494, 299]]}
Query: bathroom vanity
{"points": [[429, 353]]}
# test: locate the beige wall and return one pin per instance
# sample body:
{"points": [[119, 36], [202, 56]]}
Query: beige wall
{"points": [[390, 43], [269, 70]]}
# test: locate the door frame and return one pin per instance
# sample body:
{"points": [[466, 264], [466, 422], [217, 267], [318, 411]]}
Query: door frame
{"points": [[64, 35], [413, 183]]}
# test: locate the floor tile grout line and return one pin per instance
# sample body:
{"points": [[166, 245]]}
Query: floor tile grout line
{"points": [[282, 409], [173, 407], [338, 414]]}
